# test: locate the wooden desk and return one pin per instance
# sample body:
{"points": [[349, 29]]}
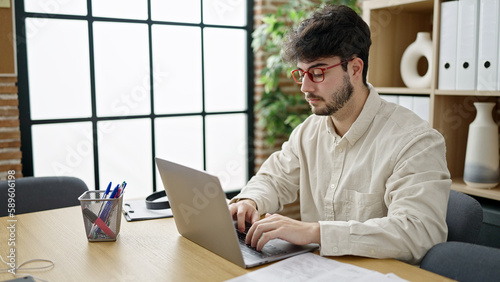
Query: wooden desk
{"points": [[149, 250]]}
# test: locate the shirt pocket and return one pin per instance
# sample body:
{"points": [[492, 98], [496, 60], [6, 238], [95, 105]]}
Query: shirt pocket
{"points": [[362, 206]]}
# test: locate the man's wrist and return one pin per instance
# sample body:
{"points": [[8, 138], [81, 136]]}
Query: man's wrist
{"points": [[252, 202]]}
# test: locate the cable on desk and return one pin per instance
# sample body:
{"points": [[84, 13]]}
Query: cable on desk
{"points": [[19, 268]]}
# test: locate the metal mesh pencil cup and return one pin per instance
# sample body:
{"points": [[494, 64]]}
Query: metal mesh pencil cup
{"points": [[101, 217]]}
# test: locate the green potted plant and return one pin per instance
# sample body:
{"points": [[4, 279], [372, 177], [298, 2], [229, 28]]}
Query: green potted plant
{"points": [[281, 112]]}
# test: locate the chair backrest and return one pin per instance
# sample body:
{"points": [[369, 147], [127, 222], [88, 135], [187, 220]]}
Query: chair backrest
{"points": [[463, 261], [41, 193], [464, 218]]}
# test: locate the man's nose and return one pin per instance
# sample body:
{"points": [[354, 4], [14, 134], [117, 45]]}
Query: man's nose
{"points": [[307, 84]]}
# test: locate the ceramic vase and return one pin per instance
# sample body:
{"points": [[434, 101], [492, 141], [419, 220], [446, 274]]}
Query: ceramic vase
{"points": [[422, 47], [481, 157]]}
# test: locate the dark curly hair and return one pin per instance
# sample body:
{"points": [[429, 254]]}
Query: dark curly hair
{"points": [[335, 30]]}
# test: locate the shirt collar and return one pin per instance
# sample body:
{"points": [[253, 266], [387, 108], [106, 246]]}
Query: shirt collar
{"points": [[363, 121]]}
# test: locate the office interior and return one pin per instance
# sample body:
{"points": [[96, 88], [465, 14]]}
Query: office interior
{"points": [[91, 121]]}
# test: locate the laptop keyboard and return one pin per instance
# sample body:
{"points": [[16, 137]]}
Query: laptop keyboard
{"points": [[268, 251]]}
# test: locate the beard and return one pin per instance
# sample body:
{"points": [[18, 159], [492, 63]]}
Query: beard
{"points": [[336, 101]]}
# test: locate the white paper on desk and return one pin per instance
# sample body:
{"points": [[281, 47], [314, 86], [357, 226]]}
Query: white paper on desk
{"points": [[311, 267]]}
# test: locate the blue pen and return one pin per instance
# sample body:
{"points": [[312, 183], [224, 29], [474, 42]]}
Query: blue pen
{"points": [[124, 184], [104, 196], [105, 213], [113, 194], [109, 205], [107, 191]]}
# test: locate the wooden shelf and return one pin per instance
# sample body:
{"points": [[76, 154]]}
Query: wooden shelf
{"points": [[394, 25], [467, 93], [459, 185], [427, 91], [402, 90], [411, 5]]}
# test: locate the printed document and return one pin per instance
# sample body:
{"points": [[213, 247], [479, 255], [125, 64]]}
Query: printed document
{"points": [[312, 267]]}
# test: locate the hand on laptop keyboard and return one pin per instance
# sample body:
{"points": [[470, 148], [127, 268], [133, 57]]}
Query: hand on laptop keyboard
{"points": [[278, 226], [244, 211], [268, 250], [272, 226]]}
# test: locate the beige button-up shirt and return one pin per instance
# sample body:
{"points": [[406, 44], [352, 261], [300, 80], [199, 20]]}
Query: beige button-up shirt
{"points": [[379, 191]]}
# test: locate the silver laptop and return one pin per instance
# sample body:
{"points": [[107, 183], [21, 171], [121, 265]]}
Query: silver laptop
{"points": [[201, 214]]}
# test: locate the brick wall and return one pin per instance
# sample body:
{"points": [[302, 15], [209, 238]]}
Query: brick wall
{"points": [[10, 135], [262, 151]]}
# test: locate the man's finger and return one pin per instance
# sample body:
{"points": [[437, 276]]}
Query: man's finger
{"points": [[264, 238], [255, 217], [261, 227], [241, 220]]}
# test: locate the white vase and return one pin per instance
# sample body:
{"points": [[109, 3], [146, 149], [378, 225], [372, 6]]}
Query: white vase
{"points": [[422, 47], [481, 157]]}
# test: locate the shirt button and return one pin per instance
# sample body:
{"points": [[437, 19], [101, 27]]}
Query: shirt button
{"points": [[332, 186], [335, 249], [341, 150]]}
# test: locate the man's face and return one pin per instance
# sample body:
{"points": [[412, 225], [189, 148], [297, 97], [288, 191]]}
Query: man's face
{"points": [[330, 95]]}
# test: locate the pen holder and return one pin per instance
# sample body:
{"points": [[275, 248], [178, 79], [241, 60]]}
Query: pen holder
{"points": [[102, 217]]}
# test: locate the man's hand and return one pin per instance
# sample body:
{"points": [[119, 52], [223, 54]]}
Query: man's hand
{"points": [[244, 211], [282, 227]]}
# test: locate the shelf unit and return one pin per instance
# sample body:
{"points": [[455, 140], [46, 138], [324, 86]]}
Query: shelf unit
{"points": [[394, 25]]}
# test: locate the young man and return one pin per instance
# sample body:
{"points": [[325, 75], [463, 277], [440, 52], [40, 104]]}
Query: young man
{"points": [[371, 175]]}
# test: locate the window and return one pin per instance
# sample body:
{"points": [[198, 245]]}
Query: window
{"points": [[105, 86]]}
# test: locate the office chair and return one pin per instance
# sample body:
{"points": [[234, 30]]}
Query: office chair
{"points": [[463, 261], [42, 193], [464, 218]]}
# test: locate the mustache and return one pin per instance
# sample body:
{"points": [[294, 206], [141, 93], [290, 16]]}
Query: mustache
{"points": [[312, 96]]}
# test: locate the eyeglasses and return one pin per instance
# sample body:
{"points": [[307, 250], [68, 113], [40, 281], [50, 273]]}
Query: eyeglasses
{"points": [[316, 75]]}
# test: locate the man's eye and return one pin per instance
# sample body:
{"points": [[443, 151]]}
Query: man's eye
{"points": [[316, 72]]}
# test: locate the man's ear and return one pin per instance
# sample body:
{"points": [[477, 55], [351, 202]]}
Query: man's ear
{"points": [[356, 71]]}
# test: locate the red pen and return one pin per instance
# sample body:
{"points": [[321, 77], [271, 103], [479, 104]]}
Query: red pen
{"points": [[94, 219]]}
